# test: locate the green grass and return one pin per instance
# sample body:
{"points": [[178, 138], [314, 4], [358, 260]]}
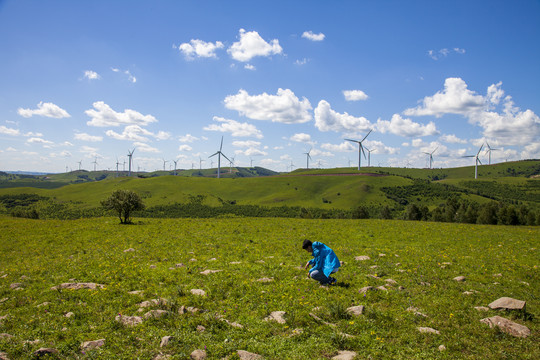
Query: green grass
{"points": [[48, 253]]}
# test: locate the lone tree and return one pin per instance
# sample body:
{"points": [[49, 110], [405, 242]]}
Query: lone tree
{"points": [[123, 202]]}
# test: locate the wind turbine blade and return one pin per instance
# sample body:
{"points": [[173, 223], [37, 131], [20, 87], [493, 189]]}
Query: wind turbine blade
{"points": [[221, 146], [356, 141], [362, 148], [469, 156], [213, 154], [222, 154], [479, 149], [367, 135], [434, 150]]}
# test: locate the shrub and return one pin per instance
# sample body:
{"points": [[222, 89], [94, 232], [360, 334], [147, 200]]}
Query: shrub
{"points": [[123, 202]]}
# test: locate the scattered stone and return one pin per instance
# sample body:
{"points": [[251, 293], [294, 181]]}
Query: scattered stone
{"points": [[129, 320], [245, 355], [260, 261], [200, 328], [416, 312], [90, 345], [3, 356], [153, 302], [381, 255], [206, 272], [235, 262], [198, 292], [362, 258], [373, 267], [442, 348], [345, 355], [3, 300], [525, 283], [401, 288], [198, 354], [212, 259], [165, 341], [507, 326], [391, 281], [69, 314], [265, 280], [3, 276], [135, 292], [447, 263], [321, 320], [425, 283], [365, 289], [24, 277], [507, 304], [153, 266], [156, 314], [382, 288], [43, 304], [297, 331], [481, 308], [33, 342], [401, 270], [233, 324], [497, 275], [428, 330], [189, 309], [129, 250], [276, 316], [15, 286], [45, 351], [459, 278], [161, 357], [77, 286], [356, 310], [470, 292], [192, 260], [5, 336], [179, 265], [373, 276]]}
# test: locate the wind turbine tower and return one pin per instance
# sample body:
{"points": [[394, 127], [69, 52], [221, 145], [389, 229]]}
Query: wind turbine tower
{"points": [[360, 148], [95, 163], [79, 162], [117, 163], [368, 156], [200, 163], [219, 154], [176, 162], [308, 157], [489, 150], [130, 160], [431, 156], [477, 160]]}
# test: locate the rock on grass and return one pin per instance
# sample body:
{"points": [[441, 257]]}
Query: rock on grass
{"points": [[94, 344], [507, 303], [345, 355], [507, 326], [245, 355], [198, 354]]}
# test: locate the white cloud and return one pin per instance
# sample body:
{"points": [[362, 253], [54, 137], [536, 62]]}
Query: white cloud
{"points": [[284, 107], [188, 138], [249, 67], [377, 147], [343, 147], [131, 78], [142, 147], [9, 131], [45, 109], [454, 99], [313, 37], [66, 153], [91, 75], [354, 95], [251, 44], [406, 127], [418, 143], [301, 137], [327, 119], [251, 152], [453, 139], [200, 48], [237, 129], [87, 137], [442, 53], [102, 115], [317, 152], [185, 147], [30, 133], [301, 62], [247, 143], [36, 140], [133, 133]]}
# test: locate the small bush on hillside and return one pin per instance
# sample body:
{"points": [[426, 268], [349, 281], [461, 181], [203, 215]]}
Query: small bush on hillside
{"points": [[123, 202]]}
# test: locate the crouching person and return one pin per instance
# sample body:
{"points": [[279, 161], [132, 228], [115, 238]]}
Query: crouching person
{"points": [[324, 263]]}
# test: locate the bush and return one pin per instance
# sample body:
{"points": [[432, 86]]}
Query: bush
{"points": [[123, 202]]}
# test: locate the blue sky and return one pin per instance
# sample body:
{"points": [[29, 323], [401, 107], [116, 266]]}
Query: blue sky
{"points": [[85, 81]]}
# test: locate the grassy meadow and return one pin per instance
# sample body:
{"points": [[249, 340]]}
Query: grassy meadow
{"points": [[421, 257]]}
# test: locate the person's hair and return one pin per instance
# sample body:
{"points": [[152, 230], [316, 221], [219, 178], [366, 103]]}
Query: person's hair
{"points": [[306, 244]]}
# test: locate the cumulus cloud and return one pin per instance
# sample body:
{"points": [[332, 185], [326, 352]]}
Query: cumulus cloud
{"points": [[36, 140], [145, 148], [301, 62], [442, 53], [454, 99], [251, 152], [378, 147], [87, 137], [405, 127], [185, 147], [343, 147], [91, 75], [301, 137], [251, 44], [327, 119], [237, 129], [200, 48], [284, 107], [453, 139], [136, 133], [247, 143], [44, 109], [313, 37], [249, 67], [354, 95], [102, 116], [188, 138], [9, 131], [131, 78]]}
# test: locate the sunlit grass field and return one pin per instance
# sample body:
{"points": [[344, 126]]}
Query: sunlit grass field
{"points": [[421, 257]]}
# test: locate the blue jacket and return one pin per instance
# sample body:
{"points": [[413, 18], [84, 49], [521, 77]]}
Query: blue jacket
{"points": [[324, 259]]}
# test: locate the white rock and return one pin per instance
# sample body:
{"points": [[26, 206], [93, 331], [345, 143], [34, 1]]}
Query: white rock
{"points": [[198, 292], [428, 330], [276, 316], [362, 258], [94, 344], [345, 355]]}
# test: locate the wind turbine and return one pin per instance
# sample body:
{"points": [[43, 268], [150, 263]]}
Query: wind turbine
{"points": [[476, 162], [219, 154], [292, 165], [79, 162], [200, 163], [231, 163], [130, 160], [307, 158], [251, 162], [368, 156], [164, 162], [176, 162], [117, 163], [431, 156], [360, 148], [95, 163], [489, 150]]}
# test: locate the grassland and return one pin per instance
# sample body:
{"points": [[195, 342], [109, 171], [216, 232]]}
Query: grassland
{"points": [[422, 257]]}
